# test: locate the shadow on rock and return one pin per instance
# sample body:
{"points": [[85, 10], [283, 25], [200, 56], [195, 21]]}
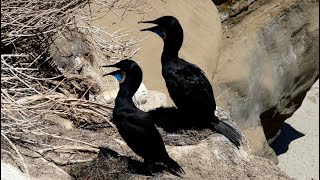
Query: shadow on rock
{"points": [[111, 165], [287, 135]]}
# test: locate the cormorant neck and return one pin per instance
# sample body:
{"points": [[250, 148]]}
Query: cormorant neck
{"points": [[127, 89], [172, 43], [124, 97]]}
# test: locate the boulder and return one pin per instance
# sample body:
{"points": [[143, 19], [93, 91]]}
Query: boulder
{"points": [[102, 154], [231, 8], [201, 44], [214, 157], [269, 60], [202, 37]]}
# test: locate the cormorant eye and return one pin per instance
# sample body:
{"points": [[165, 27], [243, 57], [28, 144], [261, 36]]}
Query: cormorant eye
{"points": [[124, 75]]}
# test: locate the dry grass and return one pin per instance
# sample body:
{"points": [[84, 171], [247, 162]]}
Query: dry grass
{"points": [[107, 165], [33, 89]]}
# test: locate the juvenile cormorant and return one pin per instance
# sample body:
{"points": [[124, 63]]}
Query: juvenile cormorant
{"points": [[134, 125], [187, 84]]}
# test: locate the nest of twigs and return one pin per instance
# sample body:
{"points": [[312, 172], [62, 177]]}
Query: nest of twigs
{"points": [[33, 88]]}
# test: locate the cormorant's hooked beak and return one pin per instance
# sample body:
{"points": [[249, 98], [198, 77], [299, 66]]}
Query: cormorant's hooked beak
{"points": [[114, 73], [111, 73], [112, 65], [155, 29], [150, 22], [152, 29]]}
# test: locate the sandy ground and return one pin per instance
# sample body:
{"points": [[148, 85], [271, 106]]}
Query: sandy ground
{"points": [[298, 144]]}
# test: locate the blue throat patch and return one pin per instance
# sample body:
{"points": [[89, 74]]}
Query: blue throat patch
{"points": [[160, 33], [118, 76]]}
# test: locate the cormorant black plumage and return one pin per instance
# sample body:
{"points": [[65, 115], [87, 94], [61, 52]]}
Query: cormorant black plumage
{"points": [[134, 125], [168, 118], [187, 84]]}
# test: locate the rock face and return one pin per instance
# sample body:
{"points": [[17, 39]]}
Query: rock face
{"points": [[269, 60], [260, 67], [217, 158], [202, 37], [297, 146], [231, 8], [203, 15], [214, 157]]}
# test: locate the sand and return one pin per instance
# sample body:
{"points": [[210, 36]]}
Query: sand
{"points": [[298, 144]]}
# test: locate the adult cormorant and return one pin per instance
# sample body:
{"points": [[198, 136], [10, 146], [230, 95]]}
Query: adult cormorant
{"points": [[134, 125], [187, 84]]}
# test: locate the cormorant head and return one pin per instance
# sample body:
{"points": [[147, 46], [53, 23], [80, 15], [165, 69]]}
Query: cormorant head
{"points": [[170, 30], [127, 68], [165, 24]]}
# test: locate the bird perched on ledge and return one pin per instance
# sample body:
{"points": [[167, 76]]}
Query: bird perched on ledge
{"points": [[187, 84], [134, 125]]}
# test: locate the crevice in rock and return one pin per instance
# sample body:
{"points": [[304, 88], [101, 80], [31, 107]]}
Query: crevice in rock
{"points": [[273, 118], [219, 2], [233, 16]]}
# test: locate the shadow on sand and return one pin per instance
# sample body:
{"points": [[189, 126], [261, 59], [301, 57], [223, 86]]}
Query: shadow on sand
{"points": [[287, 135]]}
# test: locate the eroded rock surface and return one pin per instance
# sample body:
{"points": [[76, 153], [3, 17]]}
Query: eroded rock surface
{"points": [[269, 60], [202, 37], [213, 157]]}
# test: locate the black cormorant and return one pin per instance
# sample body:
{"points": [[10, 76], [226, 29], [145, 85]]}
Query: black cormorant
{"points": [[134, 125], [187, 84]]}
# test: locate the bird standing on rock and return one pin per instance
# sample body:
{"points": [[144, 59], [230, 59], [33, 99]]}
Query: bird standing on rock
{"points": [[134, 125], [187, 84]]}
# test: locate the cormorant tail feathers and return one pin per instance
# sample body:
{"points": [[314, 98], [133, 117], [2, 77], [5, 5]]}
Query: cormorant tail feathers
{"points": [[228, 131], [173, 167]]}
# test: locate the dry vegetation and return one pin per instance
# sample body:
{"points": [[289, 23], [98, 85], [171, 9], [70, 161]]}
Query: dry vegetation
{"points": [[34, 90]]}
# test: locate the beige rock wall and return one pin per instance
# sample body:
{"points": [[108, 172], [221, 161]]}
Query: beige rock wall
{"points": [[202, 32], [268, 61], [260, 67]]}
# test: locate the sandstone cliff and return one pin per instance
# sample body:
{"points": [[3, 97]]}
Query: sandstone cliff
{"points": [[260, 56]]}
